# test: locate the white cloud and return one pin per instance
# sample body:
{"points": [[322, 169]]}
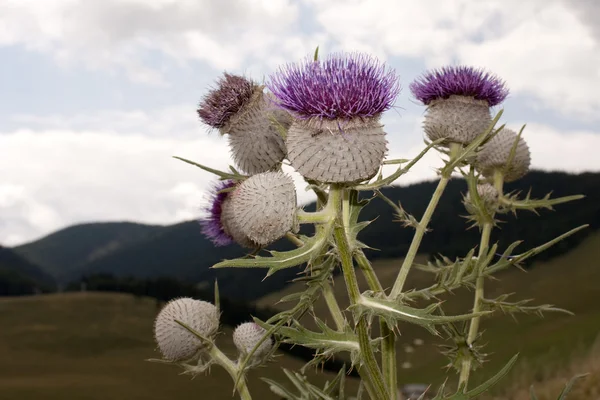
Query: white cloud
{"points": [[124, 34], [542, 48], [58, 177]]}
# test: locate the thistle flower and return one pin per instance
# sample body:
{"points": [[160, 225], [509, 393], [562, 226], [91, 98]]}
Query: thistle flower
{"points": [[247, 335], [458, 100], [494, 155], [174, 341], [488, 195], [261, 209], [336, 136], [238, 107], [212, 227]]}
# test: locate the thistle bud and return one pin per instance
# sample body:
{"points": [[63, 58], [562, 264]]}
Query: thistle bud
{"points": [[247, 335], [261, 209], [238, 107], [458, 102], [488, 195], [175, 342], [494, 155], [336, 136]]}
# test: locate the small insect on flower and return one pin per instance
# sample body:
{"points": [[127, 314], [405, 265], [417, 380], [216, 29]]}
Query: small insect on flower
{"points": [[495, 155], [239, 108], [175, 342], [458, 100], [336, 136]]}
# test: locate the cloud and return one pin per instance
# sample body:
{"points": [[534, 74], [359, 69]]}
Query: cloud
{"points": [[60, 176], [544, 49], [127, 34]]}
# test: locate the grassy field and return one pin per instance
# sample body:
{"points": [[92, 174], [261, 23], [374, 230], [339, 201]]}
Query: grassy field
{"points": [[93, 346]]}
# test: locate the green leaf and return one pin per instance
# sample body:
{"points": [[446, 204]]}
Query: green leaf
{"points": [[393, 311], [221, 174], [279, 260], [569, 386], [473, 393]]}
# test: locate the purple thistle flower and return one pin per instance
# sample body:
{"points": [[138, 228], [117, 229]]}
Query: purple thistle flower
{"points": [[343, 86], [212, 226], [459, 80], [224, 101]]}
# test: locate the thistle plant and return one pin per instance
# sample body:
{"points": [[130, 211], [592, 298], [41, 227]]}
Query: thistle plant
{"points": [[324, 117]]}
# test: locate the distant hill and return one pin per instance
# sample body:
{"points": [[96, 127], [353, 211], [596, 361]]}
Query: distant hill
{"points": [[20, 276], [180, 250], [62, 253]]}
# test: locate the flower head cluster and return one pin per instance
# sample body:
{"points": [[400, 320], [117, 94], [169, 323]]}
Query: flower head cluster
{"points": [[459, 80], [224, 101], [343, 86], [212, 226]]}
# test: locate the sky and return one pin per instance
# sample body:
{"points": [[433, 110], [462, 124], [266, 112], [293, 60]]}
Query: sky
{"points": [[96, 96]]}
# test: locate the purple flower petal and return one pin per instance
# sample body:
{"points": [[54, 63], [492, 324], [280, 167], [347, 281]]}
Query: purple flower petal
{"points": [[459, 80], [212, 226], [343, 86], [224, 101]]}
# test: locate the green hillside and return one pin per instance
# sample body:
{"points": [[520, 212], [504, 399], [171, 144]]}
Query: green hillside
{"points": [[92, 346], [63, 253]]}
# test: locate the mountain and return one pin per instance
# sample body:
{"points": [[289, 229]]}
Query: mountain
{"points": [[180, 251], [19, 276], [64, 252]]}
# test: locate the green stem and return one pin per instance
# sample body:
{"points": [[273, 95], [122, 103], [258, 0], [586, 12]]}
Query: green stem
{"points": [[388, 344], [416, 242], [370, 373], [465, 371], [333, 306], [232, 369]]}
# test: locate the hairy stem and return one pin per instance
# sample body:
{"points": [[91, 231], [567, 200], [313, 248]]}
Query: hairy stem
{"points": [[416, 242], [465, 370], [370, 371], [333, 306], [232, 369], [388, 344]]}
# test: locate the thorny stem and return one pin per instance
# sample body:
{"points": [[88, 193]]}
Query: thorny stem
{"points": [[416, 242], [455, 149], [232, 369], [388, 344], [370, 372], [333, 306], [465, 371]]}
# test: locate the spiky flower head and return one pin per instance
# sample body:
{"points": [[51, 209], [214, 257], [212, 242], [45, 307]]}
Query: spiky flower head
{"points": [[212, 227], [495, 155], [247, 335], [175, 342], [261, 209], [459, 80], [343, 86], [239, 108], [332, 152], [231, 93], [489, 197]]}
